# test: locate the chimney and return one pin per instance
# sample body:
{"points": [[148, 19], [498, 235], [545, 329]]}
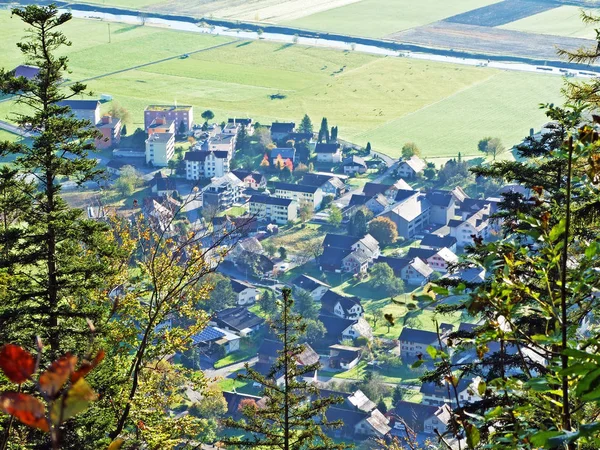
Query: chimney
{"points": [[106, 119]]}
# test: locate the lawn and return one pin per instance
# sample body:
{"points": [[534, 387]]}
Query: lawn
{"points": [[242, 386], [247, 350], [378, 18], [396, 375], [294, 238], [388, 101], [561, 21]]}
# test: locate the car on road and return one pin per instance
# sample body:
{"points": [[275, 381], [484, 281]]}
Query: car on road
{"points": [[283, 267]]}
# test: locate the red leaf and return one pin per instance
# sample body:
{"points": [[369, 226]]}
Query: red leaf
{"points": [[27, 409], [86, 367], [16, 363], [53, 379]]}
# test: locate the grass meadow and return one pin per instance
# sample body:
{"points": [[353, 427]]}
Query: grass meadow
{"points": [[388, 101], [378, 18], [562, 21]]}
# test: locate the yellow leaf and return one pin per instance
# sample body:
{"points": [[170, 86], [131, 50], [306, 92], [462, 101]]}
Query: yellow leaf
{"points": [[77, 399], [116, 444]]}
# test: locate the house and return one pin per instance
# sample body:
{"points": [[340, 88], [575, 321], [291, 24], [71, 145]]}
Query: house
{"points": [[222, 192], [438, 260], [250, 244], [343, 356], [273, 209], [211, 338], [206, 164], [160, 217], [411, 167], [396, 264], [419, 418], [348, 253], [235, 404], [231, 128], [371, 189], [376, 425], [475, 226], [114, 166], [376, 204], [284, 153], [348, 418], [270, 350], [329, 184], [416, 272], [246, 123], [25, 71], [411, 215], [354, 164], [437, 242], [281, 131], [161, 125], [316, 288], [83, 109], [252, 180], [179, 114], [443, 205], [238, 320], [248, 262], [341, 305], [303, 195], [440, 394], [246, 292], [338, 329], [160, 148], [110, 128], [414, 342], [220, 143], [358, 400], [328, 153], [163, 186]]}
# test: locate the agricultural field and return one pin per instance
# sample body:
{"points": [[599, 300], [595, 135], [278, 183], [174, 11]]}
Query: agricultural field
{"points": [[388, 101], [378, 18], [562, 21], [269, 11]]}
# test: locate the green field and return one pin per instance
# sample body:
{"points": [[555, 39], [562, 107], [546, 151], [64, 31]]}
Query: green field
{"points": [[378, 18], [388, 101], [561, 21]]}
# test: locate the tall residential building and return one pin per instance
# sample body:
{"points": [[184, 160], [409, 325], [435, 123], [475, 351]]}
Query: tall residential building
{"points": [[161, 125], [201, 164], [160, 148], [177, 113], [110, 127], [273, 209]]}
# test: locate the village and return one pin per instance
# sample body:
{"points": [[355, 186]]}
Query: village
{"points": [[357, 235]]}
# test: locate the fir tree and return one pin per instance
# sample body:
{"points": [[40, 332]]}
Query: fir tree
{"points": [[286, 421], [306, 125], [323, 131], [334, 135]]}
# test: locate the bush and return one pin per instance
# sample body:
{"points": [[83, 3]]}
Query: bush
{"points": [[361, 341]]}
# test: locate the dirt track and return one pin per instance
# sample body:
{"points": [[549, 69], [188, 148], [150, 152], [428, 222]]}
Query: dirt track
{"points": [[491, 41]]}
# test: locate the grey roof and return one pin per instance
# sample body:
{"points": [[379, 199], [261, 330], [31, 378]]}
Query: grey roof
{"points": [[331, 298], [358, 199], [355, 161], [422, 253], [335, 325], [332, 258], [243, 174], [238, 318], [396, 264], [403, 194], [440, 198], [272, 348], [285, 152], [240, 285], [283, 127], [80, 104], [415, 414], [361, 402], [202, 155], [308, 283], [163, 183], [268, 200], [313, 179], [415, 163], [339, 241], [419, 336], [326, 148], [244, 122], [437, 241], [160, 137], [410, 208], [371, 189], [296, 187]]}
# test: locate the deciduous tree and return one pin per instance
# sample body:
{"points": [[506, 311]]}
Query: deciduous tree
{"points": [[384, 230]]}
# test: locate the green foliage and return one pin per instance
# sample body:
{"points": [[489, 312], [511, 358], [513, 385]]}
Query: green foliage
{"points": [[357, 225], [286, 420], [305, 305], [384, 230], [410, 149], [282, 252], [207, 115], [129, 180], [323, 131], [335, 216], [490, 146], [306, 125], [222, 294], [382, 278]]}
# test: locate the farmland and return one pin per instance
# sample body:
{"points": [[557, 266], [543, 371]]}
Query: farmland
{"points": [[562, 21], [384, 100], [377, 18]]}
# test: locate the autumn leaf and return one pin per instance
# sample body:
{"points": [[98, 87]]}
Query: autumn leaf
{"points": [[53, 379], [116, 444], [17, 364], [25, 408], [76, 400], [86, 367]]}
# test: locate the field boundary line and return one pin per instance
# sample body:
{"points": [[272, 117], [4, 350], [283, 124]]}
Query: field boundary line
{"points": [[158, 61], [460, 91]]}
